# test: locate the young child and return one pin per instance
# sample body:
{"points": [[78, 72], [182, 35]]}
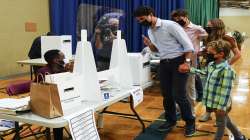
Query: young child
{"points": [[217, 90]]}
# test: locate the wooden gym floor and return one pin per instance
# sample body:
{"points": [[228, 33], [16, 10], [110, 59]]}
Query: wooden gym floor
{"points": [[118, 128]]}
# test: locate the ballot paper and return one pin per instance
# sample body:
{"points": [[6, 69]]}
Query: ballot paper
{"points": [[137, 95], [12, 106], [82, 125], [12, 103]]}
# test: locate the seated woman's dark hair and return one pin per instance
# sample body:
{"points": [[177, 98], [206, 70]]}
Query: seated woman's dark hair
{"points": [[50, 55]]}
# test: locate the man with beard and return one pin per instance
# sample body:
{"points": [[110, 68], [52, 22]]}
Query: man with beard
{"points": [[175, 48]]}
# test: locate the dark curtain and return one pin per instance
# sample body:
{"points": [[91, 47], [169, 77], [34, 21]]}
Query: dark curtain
{"points": [[200, 11], [63, 16]]}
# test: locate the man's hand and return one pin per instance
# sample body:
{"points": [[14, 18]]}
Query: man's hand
{"points": [[146, 41], [69, 66], [184, 68]]}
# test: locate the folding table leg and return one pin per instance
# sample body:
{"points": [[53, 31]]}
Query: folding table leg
{"points": [[47, 133], [136, 114], [17, 130], [31, 72]]}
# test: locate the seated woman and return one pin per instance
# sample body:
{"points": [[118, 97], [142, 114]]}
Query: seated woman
{"points": [[55, 64], [55, 60]]}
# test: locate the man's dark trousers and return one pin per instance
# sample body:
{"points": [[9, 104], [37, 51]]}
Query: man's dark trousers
{"points": [[173, 89]]}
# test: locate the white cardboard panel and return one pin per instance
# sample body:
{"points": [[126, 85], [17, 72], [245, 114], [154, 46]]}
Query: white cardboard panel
{"points": [[119, 63], [69, 91], [85, 68], [62, 43]]}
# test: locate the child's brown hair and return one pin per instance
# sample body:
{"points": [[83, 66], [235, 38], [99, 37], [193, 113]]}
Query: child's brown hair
{"points": [[221, 46]]}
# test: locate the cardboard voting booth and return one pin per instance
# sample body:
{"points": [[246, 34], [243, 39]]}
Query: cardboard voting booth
{"points": [[119, 72], [140, 67], [85, 69], [62, 43]]}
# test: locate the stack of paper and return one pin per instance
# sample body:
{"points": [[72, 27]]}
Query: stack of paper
{"points": [[11, 106]]}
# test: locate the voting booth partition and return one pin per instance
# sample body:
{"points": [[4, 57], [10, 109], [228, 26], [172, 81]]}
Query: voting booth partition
{"points": [[140, 67], [62, 43], [119, 73], [85, 69]]}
